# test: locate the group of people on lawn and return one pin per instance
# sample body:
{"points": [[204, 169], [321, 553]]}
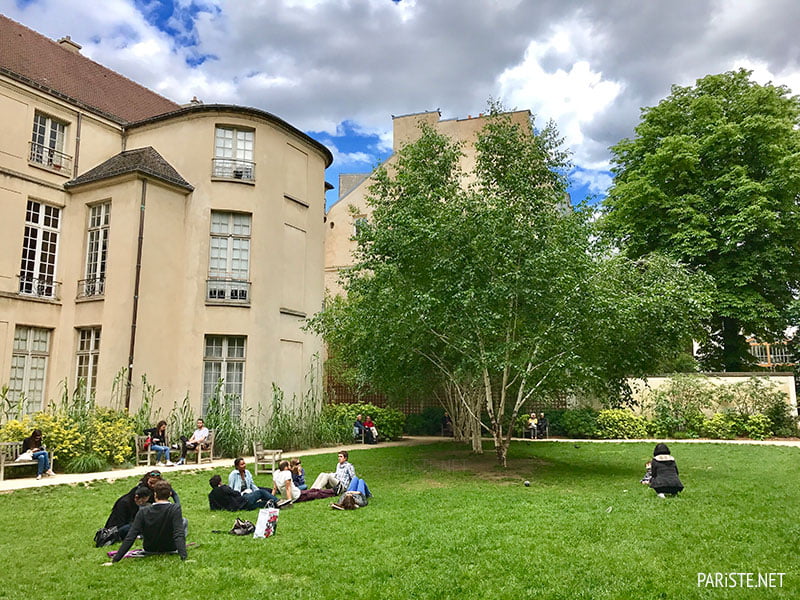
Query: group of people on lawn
{"points": [[146, 510]]}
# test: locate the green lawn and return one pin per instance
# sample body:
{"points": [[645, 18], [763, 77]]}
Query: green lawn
{"points": [[445, 524]]}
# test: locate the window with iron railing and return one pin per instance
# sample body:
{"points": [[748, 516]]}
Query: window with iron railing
{"points": [[39, 250], [229, 258], [47, 144], [96, 250], [233, 154]]}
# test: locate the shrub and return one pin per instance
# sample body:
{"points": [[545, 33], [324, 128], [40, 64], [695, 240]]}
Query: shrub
{"points": [[579, 423], [16, 430], [618, 423], [678, 405], [61, 434], [718, 427], [109, 436], [388, 421], [86, 463], [758, 427], [428, 422], [783, 423]]}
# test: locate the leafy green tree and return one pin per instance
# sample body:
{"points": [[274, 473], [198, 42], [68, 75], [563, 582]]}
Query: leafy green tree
{"points": [[496, 290], [712, 179]]}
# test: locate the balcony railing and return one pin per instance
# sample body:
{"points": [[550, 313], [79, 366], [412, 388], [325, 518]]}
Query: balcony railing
{"points": [[50, 158], [230, 168], [228, 291], [91, 288], [39, 287]]}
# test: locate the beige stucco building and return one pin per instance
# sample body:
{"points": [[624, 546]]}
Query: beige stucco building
{"points": [[182, 242], [343, 216]]}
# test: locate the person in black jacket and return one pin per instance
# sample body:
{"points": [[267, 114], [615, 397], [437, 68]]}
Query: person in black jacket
{"points": [[125, 508], [664, 472], [223, 497], [161, 526], [158, 442]]}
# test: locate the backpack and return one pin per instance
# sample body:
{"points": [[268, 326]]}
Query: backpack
{"points": [[106, 536]]}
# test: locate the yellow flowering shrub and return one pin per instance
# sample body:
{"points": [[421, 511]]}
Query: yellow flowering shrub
{"points": [[16, 430], [61, 435], [110, 436]]}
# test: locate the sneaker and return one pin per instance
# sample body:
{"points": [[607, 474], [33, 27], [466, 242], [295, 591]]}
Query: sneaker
{"points": [[661, 496], [181, 462], [284, 503], [169, 463], [337, 506], [49, 473], [38, 477]]}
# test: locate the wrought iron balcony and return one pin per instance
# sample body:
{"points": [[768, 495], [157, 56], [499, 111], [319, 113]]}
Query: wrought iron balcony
{"points": [[39, 287], [230, 168], [225, 290], [91, 288], [50, 158]]}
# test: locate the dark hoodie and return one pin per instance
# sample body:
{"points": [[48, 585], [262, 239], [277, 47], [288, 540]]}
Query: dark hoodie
{"points": [[665, 471]]}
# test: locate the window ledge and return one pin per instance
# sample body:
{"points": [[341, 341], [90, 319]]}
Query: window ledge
{"points": [[293, 313], [64, 172], [227, 303], [234, 180], [96, 298], [30, 298]]}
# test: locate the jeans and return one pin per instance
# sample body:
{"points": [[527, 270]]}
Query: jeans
{"points": [[44, 461], [162, 452], [360, 486], [259, 499]]}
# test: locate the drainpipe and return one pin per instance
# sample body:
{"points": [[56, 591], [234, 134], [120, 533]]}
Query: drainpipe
{"points": [[77, 145], [137, 279]]}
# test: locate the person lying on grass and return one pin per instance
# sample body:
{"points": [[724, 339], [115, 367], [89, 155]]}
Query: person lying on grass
{"points": [[283, 483], [338, 481], [356, 496], [161, 526], [223, 497]]}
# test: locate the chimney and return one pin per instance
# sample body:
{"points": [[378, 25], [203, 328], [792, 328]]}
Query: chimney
{"points": [[66, 42]]}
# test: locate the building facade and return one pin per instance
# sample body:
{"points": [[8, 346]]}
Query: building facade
{"points": [[144, 238]]}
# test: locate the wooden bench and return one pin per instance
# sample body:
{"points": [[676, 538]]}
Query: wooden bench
{"points": [[205, 451], [9, 451], [144, 456], [266, 461]]}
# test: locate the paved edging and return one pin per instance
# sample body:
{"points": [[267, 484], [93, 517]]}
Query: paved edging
{"points": [[9, 485]]}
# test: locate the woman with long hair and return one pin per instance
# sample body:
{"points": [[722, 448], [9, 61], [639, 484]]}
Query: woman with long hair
{"points": [[38, 453]]}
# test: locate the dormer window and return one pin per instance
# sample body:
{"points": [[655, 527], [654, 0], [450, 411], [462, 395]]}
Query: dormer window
{"points": [[233, 154], [47, 143]]}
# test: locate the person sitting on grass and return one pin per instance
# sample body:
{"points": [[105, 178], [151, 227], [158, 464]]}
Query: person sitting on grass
{"points": [[241, 480], [338, 481], [356, 496], [298, 474], [223, 497], [664, 471], [198, 438], [38, 453], [127, 506], [283, 483], [161, 526]]}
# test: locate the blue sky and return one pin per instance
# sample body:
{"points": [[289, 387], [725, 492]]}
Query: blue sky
{"points": [[339, 69]]}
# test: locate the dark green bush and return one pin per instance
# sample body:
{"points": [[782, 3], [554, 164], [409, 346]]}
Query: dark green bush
{"points": [[388, 421], [782, 421], [579, 423], [428, 422]]}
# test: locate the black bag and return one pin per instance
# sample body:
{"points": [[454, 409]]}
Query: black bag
{"points": [[242, 528], [106, 536]]}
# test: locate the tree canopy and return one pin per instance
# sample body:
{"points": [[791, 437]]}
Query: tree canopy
{"points": [[495, 292], [712, 179]]}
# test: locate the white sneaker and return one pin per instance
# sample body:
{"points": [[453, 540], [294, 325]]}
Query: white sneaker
{"points": [[169, 463], [38, 477], [49, 473], [661, 496]]}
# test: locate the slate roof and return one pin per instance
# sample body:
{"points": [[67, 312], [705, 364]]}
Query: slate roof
{"points": [[141, 160], [36, 60]]}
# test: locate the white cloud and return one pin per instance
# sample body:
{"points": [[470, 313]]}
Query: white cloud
{"points": [[597, 181]]}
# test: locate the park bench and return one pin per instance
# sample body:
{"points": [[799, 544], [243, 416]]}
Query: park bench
{"points": [[205, 451], [9, 451], [266, 460], [144, 456]]}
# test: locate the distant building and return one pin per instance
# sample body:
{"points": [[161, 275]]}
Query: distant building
{"points": [[182, 242], [353, 188]]}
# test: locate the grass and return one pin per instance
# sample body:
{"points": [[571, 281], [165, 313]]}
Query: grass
{"points": [[446, 524]]}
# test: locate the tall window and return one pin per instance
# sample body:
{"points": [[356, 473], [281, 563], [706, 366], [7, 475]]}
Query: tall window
{"points": [[38, 268], [47, 142], [223, 360], [88, 356], [28, 368], [233, 153], [96, 249], [229, 257]]}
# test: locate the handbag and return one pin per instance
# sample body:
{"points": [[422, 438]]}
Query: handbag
{"points": [[147, 442], [24, 456]]}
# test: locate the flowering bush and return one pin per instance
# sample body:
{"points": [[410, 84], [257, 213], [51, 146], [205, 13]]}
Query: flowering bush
{"points": [[16, 430], [109, 435], [61, 434]]}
